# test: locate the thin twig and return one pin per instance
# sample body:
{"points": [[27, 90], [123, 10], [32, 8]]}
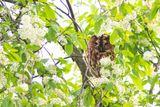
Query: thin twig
{"points": [[40, 47], [75, 23], [50, 55], [65, 6], [151, 41]]}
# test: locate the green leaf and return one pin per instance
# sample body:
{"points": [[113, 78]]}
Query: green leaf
{"points": [[94, 10], [88, 100], [40, 68], [114, 12], [7, 102], [109, 86], [82, 44], [115, 38], [154, 80], [14, 57], [32, 47], [125, 9], [128, 105], [154, 11], [52, 84], [82, 16], [19, 89], [97, 25], [68, 48], [24, 57], [36, 88], [127, 53], [137, 81], [67, 68], [49, 12], [59, 72], [42, 0], [51, 35], [7, 47]]}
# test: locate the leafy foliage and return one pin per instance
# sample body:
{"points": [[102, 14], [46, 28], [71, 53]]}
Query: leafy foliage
{"points": [[31, 74]]}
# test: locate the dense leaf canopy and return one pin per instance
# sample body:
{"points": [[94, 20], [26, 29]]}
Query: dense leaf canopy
{"points": [[42, 44]]}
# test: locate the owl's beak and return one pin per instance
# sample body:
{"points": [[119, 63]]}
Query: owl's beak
{"points": [[101, 49]]}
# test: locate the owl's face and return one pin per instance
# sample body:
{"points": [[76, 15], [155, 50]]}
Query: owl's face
{"points": [[102, 43]]}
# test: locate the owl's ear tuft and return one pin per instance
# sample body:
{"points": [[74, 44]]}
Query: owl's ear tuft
{"points": [[94, 37], [105, 35]]}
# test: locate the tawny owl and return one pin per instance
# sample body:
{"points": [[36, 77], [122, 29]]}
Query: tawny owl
{"points": [[98, 48]]}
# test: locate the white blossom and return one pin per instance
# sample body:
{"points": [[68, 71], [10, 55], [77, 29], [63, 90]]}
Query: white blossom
{"points": [[11, 89], [57, 79], [98, 81], [1, 49], [144, 42], [125, 23], [45, 79], [3, 59], [3, 11], [3, 80], [60, 94], [150, 56], [21, 77], [109, 67], [130, 1], [147, 3], [138, 28], [120, 87], [33, 28], [106, 61], [131, 16], [118, 69], [51, 69], [105, 72], [57, 101], [24, 86], [41, 101]]}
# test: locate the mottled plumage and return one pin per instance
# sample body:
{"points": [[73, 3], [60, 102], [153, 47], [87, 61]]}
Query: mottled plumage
{"points": [[98, 48]]}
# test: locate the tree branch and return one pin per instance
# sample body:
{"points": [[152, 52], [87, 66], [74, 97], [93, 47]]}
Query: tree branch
{"points": [[151, 41], [75, 23], [72, 15], [79, 60]]}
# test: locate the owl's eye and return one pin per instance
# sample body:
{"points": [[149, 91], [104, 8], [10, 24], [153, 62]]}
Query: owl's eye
{"points": [[106, 43], [95, 43]]}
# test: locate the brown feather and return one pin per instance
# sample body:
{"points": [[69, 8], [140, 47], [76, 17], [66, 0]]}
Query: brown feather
{"points": [[98, 48]]}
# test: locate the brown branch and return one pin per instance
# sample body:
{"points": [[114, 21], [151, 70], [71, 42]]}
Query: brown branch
{"points": [[65, 6], [72, 15], [75, 23], [79, 60], [151, 41]]}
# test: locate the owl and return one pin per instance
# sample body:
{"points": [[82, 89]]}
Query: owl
{"points": [[98, 48]]}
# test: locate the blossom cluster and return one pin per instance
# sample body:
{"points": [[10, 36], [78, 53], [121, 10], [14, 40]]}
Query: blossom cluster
{"points": [[95, 82], [110, 68], [125, 23], [3, 80], [150, 56], [3, 59], [32, 28]]}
